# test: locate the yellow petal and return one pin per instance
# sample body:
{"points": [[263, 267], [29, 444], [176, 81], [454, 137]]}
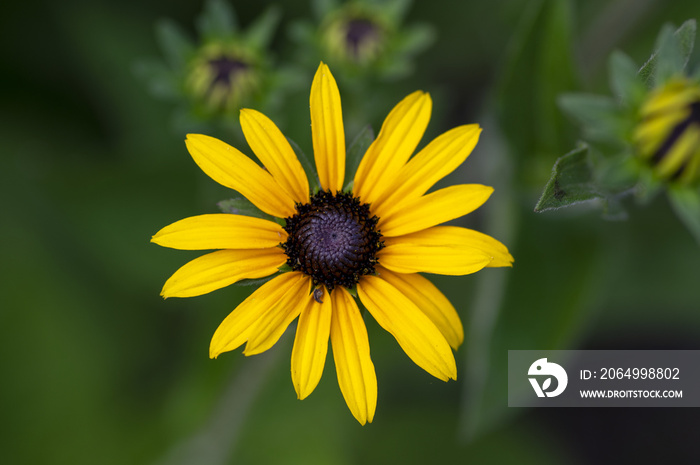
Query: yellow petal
{"points": [[679, 153], [222, 268], [401, 131], [229, 167], [327, 130], [413, 330], [273, 150], [356, 376], [651, 133], [430, 301], [670, 97], [272, 324], [462, 240], [220, 231], [438, 159], [691, 171], [238, 325], [422, 252], [311, 345], [434, 208]]}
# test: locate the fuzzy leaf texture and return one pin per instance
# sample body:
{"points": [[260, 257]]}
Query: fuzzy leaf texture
{"points": [[672, 52], [571, 182]]}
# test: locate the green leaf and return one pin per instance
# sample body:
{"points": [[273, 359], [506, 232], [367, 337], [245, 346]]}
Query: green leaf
{"points": [[218, 20], [686, 39], [685, 202], [355, 152], [243, 206], [309, 167], [260, 33], [671, 54], [599, 115], [176, 46], [571, 182], [624, 82]]}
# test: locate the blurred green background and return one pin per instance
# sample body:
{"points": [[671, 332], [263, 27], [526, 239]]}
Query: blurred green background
{"points": [[97, 368]]}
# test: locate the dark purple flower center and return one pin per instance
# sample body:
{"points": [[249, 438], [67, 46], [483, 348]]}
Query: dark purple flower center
{"points": [[333, 239], [360, 32], [226, 69]]}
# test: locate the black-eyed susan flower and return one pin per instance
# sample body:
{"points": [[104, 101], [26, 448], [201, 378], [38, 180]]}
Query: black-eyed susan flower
{"points": [[644, 140], [369, 242]]}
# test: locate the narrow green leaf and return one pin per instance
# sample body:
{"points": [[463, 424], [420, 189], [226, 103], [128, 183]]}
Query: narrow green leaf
{"points": [[243, 206], [218, 20], [686, 203], [355, 152], [538, 68], [260, 33], [571, 182], [176, 46], [309, 167]]}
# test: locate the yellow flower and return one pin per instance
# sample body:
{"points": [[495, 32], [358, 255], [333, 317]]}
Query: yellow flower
{"points": [[668, 134], [375, 240]]}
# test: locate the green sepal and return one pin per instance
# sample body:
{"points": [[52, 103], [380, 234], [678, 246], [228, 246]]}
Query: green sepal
{"points": [[672, 52], [624, 82], [309, 168], [243, 206], [353, 291], [685, 201], [285, 268], [217, 21], [571, 182], [256, 282], [598, 115], [259, 34], [177, 47], [354, 154]]}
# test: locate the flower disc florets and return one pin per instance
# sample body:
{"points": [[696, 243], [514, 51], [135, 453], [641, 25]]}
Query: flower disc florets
{"points": [[333, 239]]}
